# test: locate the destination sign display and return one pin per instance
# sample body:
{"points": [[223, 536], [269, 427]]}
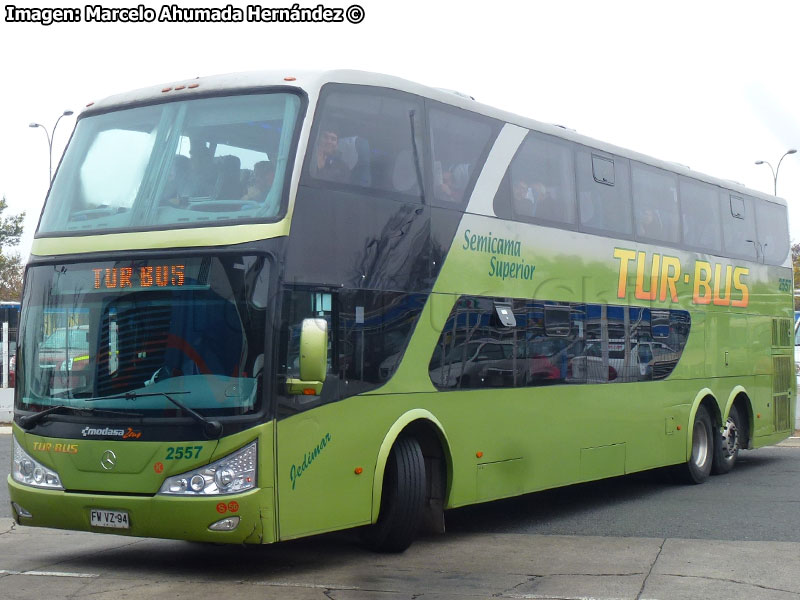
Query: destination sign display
{"points": [[109, 278], [148, 274]]}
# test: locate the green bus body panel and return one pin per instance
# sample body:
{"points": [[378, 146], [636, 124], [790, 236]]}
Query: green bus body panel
{"points": [[327, 471], [132, 486]]}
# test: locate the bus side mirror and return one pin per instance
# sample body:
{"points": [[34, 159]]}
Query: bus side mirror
{"points": [[313, 358]]}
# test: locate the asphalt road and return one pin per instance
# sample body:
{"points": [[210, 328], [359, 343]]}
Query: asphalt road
{"points": [[759, 501]]}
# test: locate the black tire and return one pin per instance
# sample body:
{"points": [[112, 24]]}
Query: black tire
{"points": [[402, 501], [727, 443], [698, 468]]}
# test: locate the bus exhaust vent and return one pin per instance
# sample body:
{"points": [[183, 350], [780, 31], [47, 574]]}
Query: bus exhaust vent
{"points": [[781, 374], [782, 333], [781, 403]]}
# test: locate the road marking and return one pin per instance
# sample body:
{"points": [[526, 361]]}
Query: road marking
{"points": [[49, 574], [319, 586], [5, 430]]}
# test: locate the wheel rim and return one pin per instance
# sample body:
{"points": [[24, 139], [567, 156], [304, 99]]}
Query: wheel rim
{"points": [[730, 439], [700, 445]]}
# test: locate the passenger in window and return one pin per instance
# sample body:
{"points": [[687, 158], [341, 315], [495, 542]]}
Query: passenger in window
{"points": [[522, 197], [453, 184], [529, 200], [204, 175], [446, 189], [177, 188], [327, 163], [649, 224], [263, 176]]}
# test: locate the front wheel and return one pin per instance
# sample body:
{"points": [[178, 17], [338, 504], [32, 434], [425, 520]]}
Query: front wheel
{"points": [[403, 499], [698, 467], [728, 443]]}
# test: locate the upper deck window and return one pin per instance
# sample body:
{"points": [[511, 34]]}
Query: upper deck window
{"points": [[604, 193], [540, 183], [655, 204], [193, 163], [460, 141], [367, 138]]}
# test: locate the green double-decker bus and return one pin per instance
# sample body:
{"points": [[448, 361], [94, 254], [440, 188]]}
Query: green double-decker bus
{"points": [[265, 306]]}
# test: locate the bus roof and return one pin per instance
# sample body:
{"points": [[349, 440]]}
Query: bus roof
{"points": [[312, 81]]}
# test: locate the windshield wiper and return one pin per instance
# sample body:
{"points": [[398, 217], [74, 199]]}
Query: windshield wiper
{"points": [[28, 421], [211, 428]]}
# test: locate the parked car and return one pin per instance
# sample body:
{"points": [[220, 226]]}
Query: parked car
{"points": [[643, 359], [479, 363]]}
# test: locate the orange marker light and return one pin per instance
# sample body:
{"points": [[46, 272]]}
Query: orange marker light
{"points": [[359, 471], [169, 89], [309, 392], [679, 427], [180, 87], [88, 105], [758, 416], [194, 85], [479, 454], [290, 78]]}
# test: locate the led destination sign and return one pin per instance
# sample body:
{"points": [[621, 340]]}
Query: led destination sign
{"points": [[136, 275], [140, 277]]}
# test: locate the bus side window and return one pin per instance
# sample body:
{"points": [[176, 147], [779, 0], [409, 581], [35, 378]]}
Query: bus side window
{"points": [[773, 239], [541, 181], [738, 226], [700, 215], [460, 141], [365, 139], [604, 193], [655, 204]]}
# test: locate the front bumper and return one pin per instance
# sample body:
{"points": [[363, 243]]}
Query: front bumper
{"points": [[171, 517]]}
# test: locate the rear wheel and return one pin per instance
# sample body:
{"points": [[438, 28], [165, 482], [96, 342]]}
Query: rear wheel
{"points": [[698, 468], [728, 443], [403, 499]]}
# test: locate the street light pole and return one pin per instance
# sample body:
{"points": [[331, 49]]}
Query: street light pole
{"points": [[776, 171], [50, 139]]}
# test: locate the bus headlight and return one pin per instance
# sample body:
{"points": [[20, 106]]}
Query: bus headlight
{"points": [[230, 475], [27, 471]]}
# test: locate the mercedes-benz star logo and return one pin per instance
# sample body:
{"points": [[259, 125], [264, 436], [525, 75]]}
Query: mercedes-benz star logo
{"points": [[108, 460]]}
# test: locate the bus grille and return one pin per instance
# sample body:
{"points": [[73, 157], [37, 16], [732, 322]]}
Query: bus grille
{"points": [[782, 333], [781, 403], [781, 391], [781, 374]]}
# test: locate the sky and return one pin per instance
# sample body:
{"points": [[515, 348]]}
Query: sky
{"points": [[708, 84]]}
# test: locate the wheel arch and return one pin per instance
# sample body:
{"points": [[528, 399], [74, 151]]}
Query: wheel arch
{"points": [[705, 397], [429, 433], [740, 398]]}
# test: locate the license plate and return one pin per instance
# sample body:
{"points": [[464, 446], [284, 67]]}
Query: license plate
{"points": [[116, 519]]}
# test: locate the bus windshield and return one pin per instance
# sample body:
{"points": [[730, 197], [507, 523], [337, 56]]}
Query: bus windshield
{"points": [[193, 326], [212, 161]]}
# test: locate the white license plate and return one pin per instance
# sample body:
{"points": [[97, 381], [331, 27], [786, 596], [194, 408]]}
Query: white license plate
{"points": [[115, 519]]}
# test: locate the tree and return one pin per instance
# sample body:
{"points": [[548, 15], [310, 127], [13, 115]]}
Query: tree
{"points": [[10, 263]]}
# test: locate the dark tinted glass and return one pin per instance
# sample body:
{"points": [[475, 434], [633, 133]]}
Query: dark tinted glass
{"points": [[700, 215], [540, 183], [555, 343], [368, 138], [738, 226], [460, 139], [190, 326], [604, 193], [655, 204], [773, 237]]}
